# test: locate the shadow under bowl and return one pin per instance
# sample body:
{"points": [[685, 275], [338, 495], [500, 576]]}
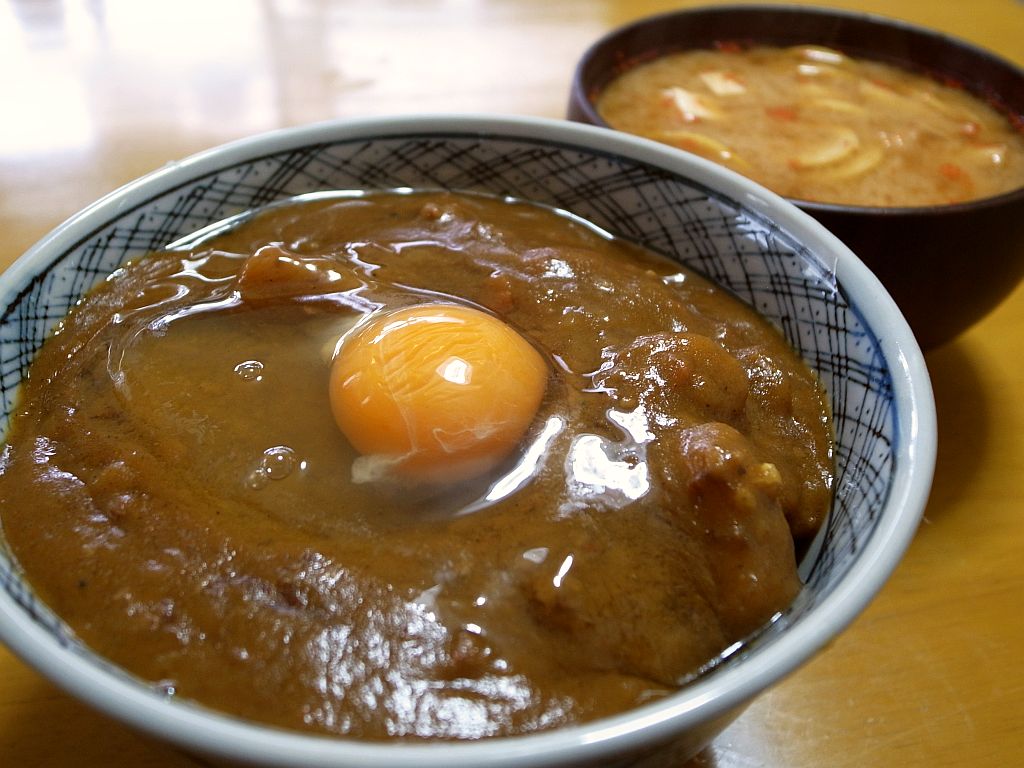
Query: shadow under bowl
{"points": [[945, 265]]}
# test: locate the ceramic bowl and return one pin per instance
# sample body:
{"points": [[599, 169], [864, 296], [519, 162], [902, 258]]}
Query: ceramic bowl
{"points": [[766, 251], [946, 265]]}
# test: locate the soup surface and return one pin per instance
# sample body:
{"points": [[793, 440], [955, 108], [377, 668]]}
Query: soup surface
{"points": [[813, 124], [176, 487]]}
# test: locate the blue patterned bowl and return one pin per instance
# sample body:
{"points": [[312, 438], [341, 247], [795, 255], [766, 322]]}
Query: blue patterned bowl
{"points": [[831, 308]]}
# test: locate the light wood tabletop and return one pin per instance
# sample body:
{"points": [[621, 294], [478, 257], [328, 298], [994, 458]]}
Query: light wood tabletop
{"points": [[94, 93]]}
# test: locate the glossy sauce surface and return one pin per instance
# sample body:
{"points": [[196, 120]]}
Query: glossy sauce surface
{"points": [[813, 124], [176, 488]]}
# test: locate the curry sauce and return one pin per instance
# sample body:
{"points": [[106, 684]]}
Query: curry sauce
{"points": [[175, 488]]}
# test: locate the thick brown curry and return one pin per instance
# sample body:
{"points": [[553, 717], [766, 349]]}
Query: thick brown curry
{"points": [[175, 488]]}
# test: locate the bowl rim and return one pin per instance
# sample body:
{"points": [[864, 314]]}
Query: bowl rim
{"points": [[581, 95], [206, 731]]}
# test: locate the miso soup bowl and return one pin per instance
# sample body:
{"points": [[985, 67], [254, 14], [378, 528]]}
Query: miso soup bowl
{"points": [[771, 255], [945, 265]]}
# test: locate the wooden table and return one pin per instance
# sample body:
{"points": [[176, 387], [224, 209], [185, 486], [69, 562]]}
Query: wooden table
{"points": [[96, 92]]}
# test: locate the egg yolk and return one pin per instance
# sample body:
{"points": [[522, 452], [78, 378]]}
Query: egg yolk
{"points": [[435, 393]]}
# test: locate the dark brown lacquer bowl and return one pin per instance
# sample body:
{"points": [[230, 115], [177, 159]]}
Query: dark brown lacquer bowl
{"points": [[945, 265]]}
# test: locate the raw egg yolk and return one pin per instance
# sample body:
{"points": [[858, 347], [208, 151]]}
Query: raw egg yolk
{"points": [[435, 393]]}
